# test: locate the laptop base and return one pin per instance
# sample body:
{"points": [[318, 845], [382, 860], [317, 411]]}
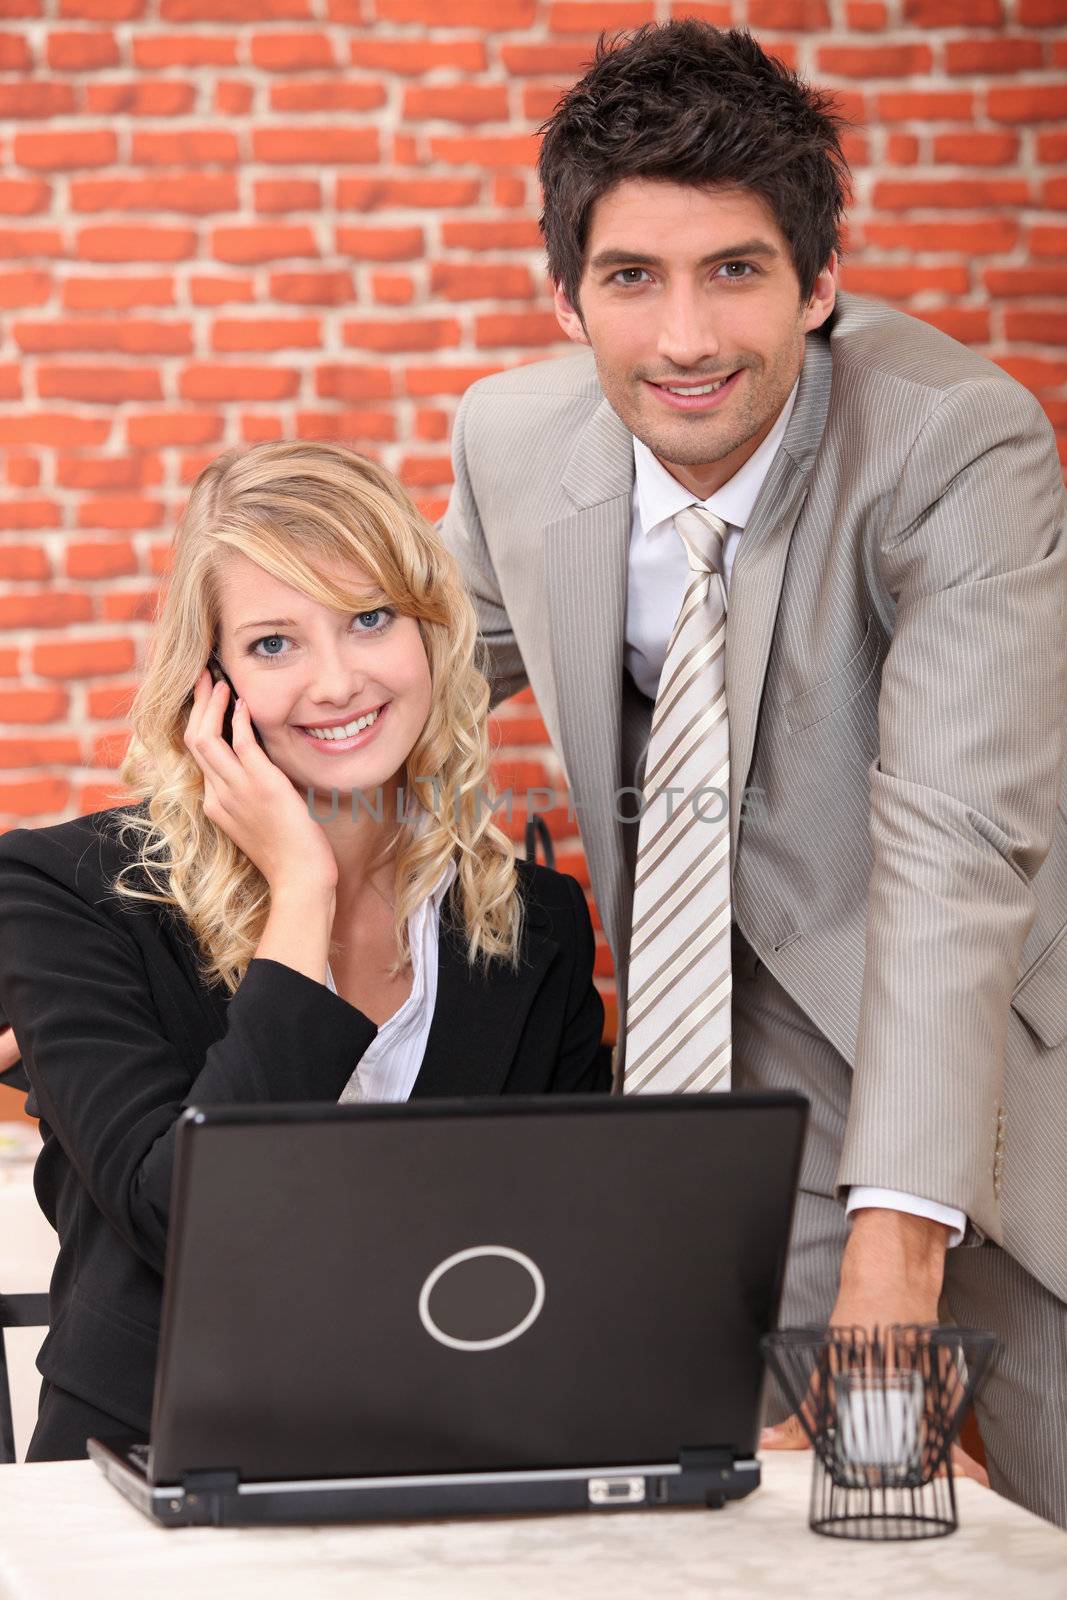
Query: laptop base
{"points": [[219, 1499]]}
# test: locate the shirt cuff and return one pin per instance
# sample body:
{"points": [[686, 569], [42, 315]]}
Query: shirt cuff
{"points": [[895, 1200]]}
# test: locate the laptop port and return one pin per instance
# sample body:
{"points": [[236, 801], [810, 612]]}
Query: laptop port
{"points": [[616, 1491]]}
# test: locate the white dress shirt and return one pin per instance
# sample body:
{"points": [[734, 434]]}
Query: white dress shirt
{"points": [[658, 573], [391, 1062]]}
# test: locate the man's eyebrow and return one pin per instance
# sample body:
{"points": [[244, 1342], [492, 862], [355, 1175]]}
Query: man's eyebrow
{"points": [[635, 258]]}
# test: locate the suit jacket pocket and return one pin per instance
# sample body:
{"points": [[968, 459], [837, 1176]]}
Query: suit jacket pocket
{"points": [[828, 696], [1040, 996]]}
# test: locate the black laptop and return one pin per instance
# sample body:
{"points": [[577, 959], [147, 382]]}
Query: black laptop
{"points": [[449, 1307]]}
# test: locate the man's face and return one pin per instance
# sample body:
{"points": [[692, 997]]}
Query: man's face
{"points": [[683, 289]]}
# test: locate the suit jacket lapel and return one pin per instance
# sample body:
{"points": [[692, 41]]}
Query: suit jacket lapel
{"points": [[478, 1019], [759, 568], [586, 555]]}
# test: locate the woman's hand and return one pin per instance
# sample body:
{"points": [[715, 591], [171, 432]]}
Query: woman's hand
{"points": [[252, 800]]}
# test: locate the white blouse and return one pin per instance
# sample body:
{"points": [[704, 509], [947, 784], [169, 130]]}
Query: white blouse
{"points": [[391, 1062]]}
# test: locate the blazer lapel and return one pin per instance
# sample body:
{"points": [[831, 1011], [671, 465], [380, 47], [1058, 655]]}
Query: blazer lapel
{"points": [[479, 1018], [759, 568], [586, 559]]}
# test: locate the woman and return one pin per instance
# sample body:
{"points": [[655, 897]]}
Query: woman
{"points": [[314, 905]]}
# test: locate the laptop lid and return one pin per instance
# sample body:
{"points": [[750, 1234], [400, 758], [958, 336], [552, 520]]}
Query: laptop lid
{"points": [[471, 1286]]}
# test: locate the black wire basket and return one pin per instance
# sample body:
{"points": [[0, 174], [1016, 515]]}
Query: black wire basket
{"points": [[881, 1411]]}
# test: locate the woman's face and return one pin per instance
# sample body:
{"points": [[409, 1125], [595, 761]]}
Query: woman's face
{"points": [[339, 700]]}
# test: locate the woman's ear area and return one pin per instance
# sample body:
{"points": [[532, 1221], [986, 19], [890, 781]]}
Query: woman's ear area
{"points": [[569, 319]]}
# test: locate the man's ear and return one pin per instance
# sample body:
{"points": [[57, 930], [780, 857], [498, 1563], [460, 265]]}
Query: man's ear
{"points": [[823, 295], [569, 319]]}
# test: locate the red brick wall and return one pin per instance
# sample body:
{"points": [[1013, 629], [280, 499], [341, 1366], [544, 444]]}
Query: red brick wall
{"points": [[226, 220]]}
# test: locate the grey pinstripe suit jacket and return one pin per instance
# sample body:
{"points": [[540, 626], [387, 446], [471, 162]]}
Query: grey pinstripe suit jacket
{"points": [[897, 683]]}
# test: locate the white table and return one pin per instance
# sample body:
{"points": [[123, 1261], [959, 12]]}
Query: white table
{"points": [[27, 1254], [65, 1532]]}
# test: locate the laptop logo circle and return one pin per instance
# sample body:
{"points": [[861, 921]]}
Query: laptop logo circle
{"points": [[496, 1293]]}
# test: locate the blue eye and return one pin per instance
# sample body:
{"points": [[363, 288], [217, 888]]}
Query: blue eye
{"points": [[375, 621], [269, 639]]}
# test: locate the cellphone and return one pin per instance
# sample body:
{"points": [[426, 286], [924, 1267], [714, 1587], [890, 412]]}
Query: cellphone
{"points": [[220, 675]]}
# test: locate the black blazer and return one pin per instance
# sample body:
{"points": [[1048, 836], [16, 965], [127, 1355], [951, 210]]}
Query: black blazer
{"points": [[118, 1035]]}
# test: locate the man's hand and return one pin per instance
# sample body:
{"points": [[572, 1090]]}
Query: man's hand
{"points": [[891, 1272]]}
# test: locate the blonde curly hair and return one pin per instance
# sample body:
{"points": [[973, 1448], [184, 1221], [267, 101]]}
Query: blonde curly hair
{"points": [[301, 510]]}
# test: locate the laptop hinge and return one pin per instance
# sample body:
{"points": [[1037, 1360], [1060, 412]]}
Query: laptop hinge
{"points": [[222, 1478], [705, 1460]]}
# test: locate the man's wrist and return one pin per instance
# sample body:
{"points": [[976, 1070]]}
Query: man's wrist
{"points": [[896, 1245]]}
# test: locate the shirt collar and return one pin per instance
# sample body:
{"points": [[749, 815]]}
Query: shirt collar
{"points": [[660, 496]]}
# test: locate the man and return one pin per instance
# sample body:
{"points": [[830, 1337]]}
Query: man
{"points": [[772, 539]]}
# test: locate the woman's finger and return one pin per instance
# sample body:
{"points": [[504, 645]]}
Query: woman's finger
{"points": [[208, 747], [201, 691]]}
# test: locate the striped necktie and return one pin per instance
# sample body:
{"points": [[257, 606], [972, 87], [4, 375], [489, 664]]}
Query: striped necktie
{"points": [[678, 1005]]}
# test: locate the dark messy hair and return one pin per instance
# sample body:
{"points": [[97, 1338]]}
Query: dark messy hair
{"points": [[693, 104]]}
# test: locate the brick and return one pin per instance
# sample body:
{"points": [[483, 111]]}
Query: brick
{"points": [[24, 561], [255, 243], [233, 98], [1052, 146], [105, 385], [1036, 373], [996, 54], [558, 60], [968, 324], [37, 99], [81, 51], [44, 608], [213, 290], [1034, 103], [151, 51], [422, 333], [207, 380], [381, 193], [590, 16], [1042, 13], [157, 429], [458, 13], [1050, 240], [425, 472], [509, 189], [341, 382], [35, 797], [277, 195], [312, 288], [83, 658], [444, 380], [875, 61], [14, 53], [927, 105], [103, 558], [507, 233], [197, 147], [109, 703], [327, 94], [984, 237], [901, 149], [350, 426], [230, 334], [407, 151], [101, 10], [29, 288], [56, 152], [392, 289], [413, 57], [144, 98], [315, 146], [109, 749], [953, 13], [788, 16], [486, 150], [243, 11], [432, 425], [23, 471], [534, 328], [539, 100], [33, 705], [976, 148], [479, 280], [380, 244], [116, 294], [291, 52], [53, 430], [865, 16], [130, 605], [1015, 282], [1054, 195], [25, 514], [10, 380], [194, 192], [968, 194], [254, 428], [21, 197], [9, 663], [900, 283], [120, 511], [16, 243], [1036, 327], [128, 335], [467, 102], [120, 242], [97, 472]]}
